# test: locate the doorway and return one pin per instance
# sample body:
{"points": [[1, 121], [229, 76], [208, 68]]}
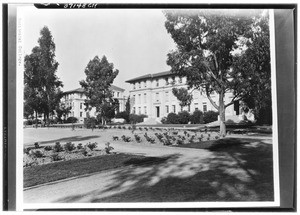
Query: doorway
{"points": [[157, 111]]}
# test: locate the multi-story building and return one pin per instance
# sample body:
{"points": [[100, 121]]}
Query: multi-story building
{"points": [[152, 95], [76, 99]]}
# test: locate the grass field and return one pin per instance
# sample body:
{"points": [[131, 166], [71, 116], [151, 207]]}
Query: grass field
{"points": [[65, 169]]}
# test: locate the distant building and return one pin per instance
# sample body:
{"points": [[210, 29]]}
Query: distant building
{"points": [[152, 95], [76, 99]]}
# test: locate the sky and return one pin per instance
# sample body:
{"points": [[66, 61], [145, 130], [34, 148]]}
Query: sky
{"points": [[134, 40]]}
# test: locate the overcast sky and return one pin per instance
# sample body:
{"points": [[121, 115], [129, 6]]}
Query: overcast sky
{"points": [[134, 40]]}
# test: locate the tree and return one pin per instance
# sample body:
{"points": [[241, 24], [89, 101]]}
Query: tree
{"points": [[206, 40], [183, 96], [100, 74], [253, 67], [41, 83], [62, 111]]}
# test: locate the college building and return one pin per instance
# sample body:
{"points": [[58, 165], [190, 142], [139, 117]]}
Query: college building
{"points": [[152, 95], [76, 99]]}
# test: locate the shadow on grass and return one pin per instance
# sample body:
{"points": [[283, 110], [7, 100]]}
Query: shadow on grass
{"points": [[70, 139], [240, 172]]}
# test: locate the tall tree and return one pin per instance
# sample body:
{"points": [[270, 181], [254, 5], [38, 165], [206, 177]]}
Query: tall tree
{"points": [[252, 67], [206, 40], [41, 83], [184, 97], [100, 74]]}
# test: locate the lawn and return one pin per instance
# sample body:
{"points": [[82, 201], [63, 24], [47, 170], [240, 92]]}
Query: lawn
{"points": [[65, 169]]}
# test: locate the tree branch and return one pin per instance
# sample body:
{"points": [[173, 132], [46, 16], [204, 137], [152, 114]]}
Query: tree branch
{"points": [[233, 100], [211, 101]]}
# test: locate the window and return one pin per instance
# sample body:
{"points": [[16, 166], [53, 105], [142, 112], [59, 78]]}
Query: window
{"points": [[189, 108], [196, 94], [167, 81], [204, 107], [196, 108], [167, 109], [145, 84], [80, 95], [133, 99], [80, 114], [167, 96], [139, 99], [157, 82], [139, 84], [145, 97], [118, 94], [173, 80], [80, 105], [180, 80], [174, 108], [134, 110], [157, 97], [139, 110], [145, 109], [133, 86]]}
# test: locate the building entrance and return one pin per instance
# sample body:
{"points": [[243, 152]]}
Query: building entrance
{"points": [[157, 111]]}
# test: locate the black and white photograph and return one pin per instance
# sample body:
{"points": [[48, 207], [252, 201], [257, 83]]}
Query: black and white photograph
{"points": [[146, 107]]}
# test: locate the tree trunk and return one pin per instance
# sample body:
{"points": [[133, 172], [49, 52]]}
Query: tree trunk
{"points": [[36, 120], [222, 115]]}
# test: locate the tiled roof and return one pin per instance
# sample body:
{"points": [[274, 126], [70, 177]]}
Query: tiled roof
{"points": [[81, 90], [151, 76]]}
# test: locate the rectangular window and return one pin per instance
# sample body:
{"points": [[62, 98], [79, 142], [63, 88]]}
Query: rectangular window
{"points": [[145, 97], [140, 110], [133, 99], [167, 81], [167, 109], [189, 108], [139, 84], [145, 109], [80, 105], [80, 95], [80, 114], [145, 84], [134, 110], [157, 82], [118, 94], [139, 99], [204, 107], [180, 80], [167, 96], [134, 86], [174, 108], [157, 97]]}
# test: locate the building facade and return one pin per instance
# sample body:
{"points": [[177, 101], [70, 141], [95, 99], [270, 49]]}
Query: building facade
{"points": [[152, 95], [76, 99]]}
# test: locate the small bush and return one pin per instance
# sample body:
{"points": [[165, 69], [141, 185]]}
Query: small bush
{"points": [[108, 148], [26, 150], [125, 138], [79, 146], [137, 138], [183, 117], [38, 154], [92, 146], [56, 157], [36, 145], [48, 148], [133, 118], [69, 146], [57, 147], [172, 118], [210, 116], [72, 119], [197, 117]]}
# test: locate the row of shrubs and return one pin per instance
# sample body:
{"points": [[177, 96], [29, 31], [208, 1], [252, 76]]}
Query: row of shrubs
{"points": [[51, 121], [197, 117], [166, 138]]}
